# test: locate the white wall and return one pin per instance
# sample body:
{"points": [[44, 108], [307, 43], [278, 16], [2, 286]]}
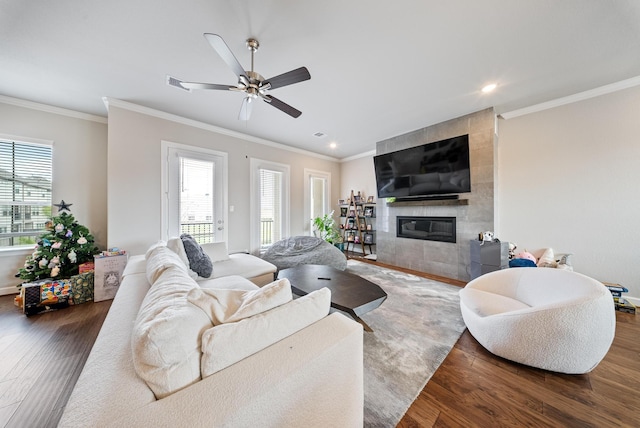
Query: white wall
{"points": [[357, 175], [569, 179], [134, 185], [79, 170]]}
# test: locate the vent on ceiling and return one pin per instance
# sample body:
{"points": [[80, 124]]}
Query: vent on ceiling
{"points": [[320, 135], [172, 81]]}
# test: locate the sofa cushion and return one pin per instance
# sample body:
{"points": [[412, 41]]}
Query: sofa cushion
{"points": [[199, 261], [135, 264], [226, 344], [224, 306], [166, 333], [486, 304], [175, 245], [217, 251], [247, 265], [231, 282], [158, 259]]}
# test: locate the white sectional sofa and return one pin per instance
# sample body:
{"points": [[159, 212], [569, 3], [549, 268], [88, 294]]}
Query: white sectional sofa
{"points": [[268, 370]]}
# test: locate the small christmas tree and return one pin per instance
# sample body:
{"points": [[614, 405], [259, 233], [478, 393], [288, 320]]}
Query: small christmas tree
{"points": [[60, 250]]}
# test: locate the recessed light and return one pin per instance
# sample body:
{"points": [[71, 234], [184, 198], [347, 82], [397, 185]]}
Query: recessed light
{"points": [[490, 87], [333, 145]]}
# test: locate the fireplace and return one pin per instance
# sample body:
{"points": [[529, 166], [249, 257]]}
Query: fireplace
{"points": [[441, 229]]}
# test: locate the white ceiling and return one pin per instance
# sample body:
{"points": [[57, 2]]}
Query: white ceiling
{"points": [[378, 68]]}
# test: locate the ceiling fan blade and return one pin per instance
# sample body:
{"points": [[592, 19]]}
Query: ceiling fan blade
{"points": [[196, 85], [282, 106], [289, 78], [225, 53], [245, 110]]}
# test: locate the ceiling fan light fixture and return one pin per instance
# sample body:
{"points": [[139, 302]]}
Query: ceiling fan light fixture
{"points": [[251, 83]]}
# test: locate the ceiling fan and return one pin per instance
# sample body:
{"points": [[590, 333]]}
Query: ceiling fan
{"points": [[251, 83]]}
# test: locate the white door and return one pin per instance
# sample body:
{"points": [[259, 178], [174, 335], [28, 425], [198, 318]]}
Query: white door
{"points": [[195, 193]]}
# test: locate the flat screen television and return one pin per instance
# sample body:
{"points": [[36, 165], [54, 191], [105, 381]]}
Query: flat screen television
{"points": [[439, 168]]}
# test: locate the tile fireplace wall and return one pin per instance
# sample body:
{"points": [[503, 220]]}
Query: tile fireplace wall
{"points": [[446, 259]]}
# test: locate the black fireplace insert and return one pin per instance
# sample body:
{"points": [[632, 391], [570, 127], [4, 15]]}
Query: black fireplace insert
{"points": [[441, 229]]}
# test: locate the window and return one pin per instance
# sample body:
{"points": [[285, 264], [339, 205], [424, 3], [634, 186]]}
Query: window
{"points": [[25, 191], [270, 203]]}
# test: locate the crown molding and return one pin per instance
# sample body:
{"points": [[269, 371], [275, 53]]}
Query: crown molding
{"points": [[51, 109], [207, 127], [358, 156], [602, 90]]}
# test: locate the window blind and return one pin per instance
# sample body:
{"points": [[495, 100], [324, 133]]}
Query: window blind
{"points": [[26, 174], [270, 207]]}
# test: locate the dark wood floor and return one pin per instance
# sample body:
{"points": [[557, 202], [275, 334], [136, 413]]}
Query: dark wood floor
{"points": [[42, 356]]}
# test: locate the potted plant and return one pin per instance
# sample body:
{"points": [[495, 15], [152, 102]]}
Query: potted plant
{"points": [[325, 228]]}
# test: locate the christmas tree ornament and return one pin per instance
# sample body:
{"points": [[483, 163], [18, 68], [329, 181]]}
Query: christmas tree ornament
{"points": [[62, 206], [59, 227], [46, 242], [43, 262], [73, 257], [56, 245], [69, 233], [82, 240], [55, 271]]}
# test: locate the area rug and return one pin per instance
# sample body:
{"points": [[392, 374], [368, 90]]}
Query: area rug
{"points": [[413, 331]]}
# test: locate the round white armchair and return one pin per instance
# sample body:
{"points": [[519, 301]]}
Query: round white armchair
{"points": [[552, 319]]}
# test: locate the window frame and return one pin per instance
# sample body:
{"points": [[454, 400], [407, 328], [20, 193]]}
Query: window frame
{"points": [[6, 249], [326, 176]]}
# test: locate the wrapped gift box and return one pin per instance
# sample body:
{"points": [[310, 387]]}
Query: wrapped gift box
{"points": [[108, 274], [86, 267], [82, 287], [45, 295], [53, 290]]}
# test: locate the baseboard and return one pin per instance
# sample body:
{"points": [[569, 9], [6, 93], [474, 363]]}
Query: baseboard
{"points": [[8, 290]]}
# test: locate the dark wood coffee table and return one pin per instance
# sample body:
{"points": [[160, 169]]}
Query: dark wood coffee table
{"points": [[349, 293]]}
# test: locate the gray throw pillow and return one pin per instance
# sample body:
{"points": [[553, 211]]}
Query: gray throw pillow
{"points": [[199, 261]]}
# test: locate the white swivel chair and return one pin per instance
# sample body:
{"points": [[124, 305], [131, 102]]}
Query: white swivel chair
{"points": [[552, 319]]}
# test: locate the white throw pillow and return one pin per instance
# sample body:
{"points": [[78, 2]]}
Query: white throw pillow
{"points": [[166, 334], [175, 245], [160, 258], [547, 259], [225, 306], [226, 344], [153, 247], [217, 251]]}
